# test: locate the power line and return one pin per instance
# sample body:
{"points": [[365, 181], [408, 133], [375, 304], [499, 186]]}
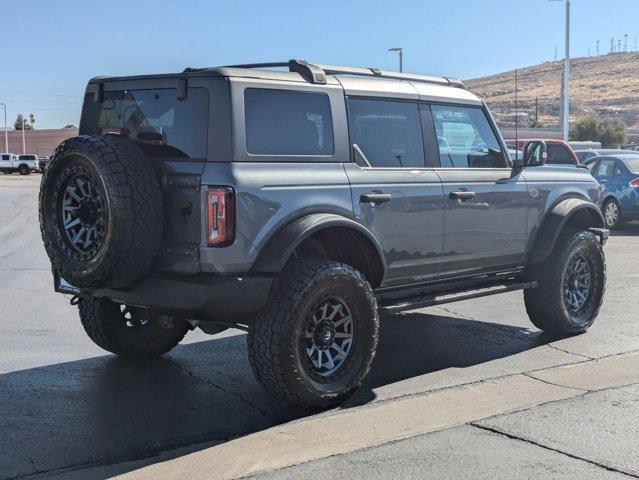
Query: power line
{"points": [[40, 93]]}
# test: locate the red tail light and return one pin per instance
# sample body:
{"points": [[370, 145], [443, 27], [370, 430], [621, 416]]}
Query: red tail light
{"points": [[634, 182], [220, 216]]}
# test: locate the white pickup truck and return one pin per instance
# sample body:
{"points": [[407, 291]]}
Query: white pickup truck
{"points": [[24, 164]]}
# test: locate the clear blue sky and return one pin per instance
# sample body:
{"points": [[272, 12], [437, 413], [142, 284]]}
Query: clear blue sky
{"points": [[49, 49]]}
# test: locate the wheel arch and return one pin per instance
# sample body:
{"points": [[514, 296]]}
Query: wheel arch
{"points": [[570, 212], [327, 236]]}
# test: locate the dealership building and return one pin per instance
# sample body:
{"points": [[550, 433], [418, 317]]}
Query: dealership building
{"points": [[41, 142]]}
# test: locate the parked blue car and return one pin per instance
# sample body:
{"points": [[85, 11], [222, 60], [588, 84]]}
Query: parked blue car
{"points": [[619, 177]]}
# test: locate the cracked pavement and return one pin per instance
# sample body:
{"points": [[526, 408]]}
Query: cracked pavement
{"points": [[68, 406]]}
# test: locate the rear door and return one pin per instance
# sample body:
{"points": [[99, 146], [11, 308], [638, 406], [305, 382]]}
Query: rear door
{"points": [[486, 202], [396, 192]]}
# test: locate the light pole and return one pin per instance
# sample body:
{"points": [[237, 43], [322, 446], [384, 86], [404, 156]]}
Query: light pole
{"points": [[6, 132], [24, 148], [566, 99], [401, 55]]}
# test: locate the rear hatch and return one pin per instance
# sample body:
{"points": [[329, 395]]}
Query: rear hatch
{"points": [[171, 128]]}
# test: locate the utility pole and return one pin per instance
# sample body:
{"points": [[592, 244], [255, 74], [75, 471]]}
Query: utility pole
{"points": [[612, 44], [625, 42], [516, 116], [6, 132], [567, 75], [401, 55], [597, 47]]}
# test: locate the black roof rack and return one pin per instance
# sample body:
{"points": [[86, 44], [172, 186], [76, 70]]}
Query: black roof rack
{"points": [[316, 73]]}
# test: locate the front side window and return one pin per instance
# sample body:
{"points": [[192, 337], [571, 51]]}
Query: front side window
{"points": [[465, 138], [608, 168], [159, 123], [287, 122], [388, 133]]}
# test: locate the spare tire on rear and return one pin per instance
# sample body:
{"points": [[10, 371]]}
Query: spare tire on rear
{"points": [[100, 212]]}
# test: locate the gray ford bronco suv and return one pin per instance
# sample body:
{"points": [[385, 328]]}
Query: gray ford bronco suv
{"points": [[299, 201]]}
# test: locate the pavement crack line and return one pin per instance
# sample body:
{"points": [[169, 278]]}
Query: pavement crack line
{"points": [[222, 389], [527, 374], [569, 352], [556, 450]]}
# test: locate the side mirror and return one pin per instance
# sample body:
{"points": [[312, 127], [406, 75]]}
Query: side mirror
{"points": [[535, 153]]}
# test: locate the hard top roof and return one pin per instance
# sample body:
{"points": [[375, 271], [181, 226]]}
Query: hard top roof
{"points": [[305, 72]]}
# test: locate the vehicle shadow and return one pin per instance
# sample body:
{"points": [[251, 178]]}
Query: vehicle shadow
{"points": [[630, 229], [105, 410]]}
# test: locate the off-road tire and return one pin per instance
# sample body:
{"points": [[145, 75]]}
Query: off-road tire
{"points": [[24, 170], [546, 304], [133, 215], [275, 353], [106, 325]]}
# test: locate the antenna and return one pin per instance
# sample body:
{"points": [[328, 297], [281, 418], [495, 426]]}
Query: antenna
{"points": [[612, 44], [597, 47], [625, 42], [619, 45], [516, 116]]}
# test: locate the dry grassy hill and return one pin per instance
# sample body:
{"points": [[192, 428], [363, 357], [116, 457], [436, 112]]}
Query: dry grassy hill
{"points": [[607, 85]]}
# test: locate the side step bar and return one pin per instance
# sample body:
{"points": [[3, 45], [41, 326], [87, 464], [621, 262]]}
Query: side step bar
{"points": [[441, 298]]}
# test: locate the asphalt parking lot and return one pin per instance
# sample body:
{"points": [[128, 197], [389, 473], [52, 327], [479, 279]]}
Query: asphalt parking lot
{"points": [[464, 390]]}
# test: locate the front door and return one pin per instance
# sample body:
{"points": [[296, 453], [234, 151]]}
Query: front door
{"points": [[394, 194], [486, 215]]}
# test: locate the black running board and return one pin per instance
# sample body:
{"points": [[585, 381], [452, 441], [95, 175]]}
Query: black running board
{"points": [[441, 298]]}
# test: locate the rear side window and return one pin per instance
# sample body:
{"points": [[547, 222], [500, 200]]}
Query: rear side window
{"points": [[159, 123], [465, 138], [632, 164], [558, 155], [388, 133], [287, 122]]}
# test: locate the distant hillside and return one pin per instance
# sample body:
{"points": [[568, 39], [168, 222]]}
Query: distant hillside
{"points": [[607, 85]]}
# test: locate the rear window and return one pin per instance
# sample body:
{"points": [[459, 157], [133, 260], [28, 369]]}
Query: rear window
{"points": [[159, 123], [632, 164], [27, 157], [286, 122]]}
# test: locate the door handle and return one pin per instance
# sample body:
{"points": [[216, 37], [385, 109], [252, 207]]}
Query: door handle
{"points": [[375, 198], [461, 195]]}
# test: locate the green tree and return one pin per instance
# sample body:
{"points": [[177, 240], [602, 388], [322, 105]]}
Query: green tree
{"points": [[21, 121], [611, 133]]}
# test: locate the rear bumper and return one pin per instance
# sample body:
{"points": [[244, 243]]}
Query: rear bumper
{"points": [[202, 297]]}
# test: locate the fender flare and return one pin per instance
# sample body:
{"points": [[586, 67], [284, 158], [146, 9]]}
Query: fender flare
{"points": [[280, 246], [555, 221]]}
